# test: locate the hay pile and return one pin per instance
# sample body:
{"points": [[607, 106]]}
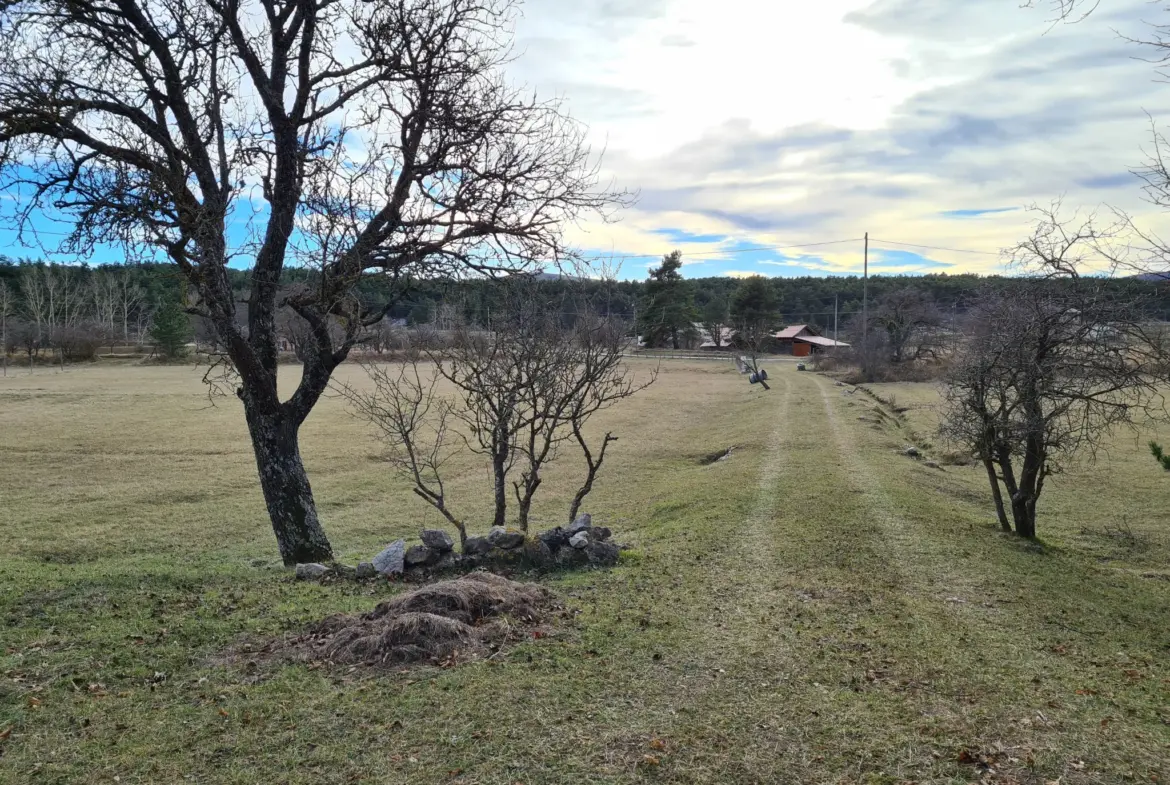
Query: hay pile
{"points": [[430, 624]]}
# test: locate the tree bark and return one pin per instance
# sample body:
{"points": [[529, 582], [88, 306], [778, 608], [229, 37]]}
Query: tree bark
{"points": [[499, 471], [1004, 523], [1024, 514], [287, 493]]}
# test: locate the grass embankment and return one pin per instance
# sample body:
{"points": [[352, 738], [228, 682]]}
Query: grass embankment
{"points": [[816, 608]]}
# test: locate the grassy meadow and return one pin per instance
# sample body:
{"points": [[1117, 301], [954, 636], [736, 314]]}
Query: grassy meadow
{"points": [[817, 608]]}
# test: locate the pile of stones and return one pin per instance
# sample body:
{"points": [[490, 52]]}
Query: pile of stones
{"points": [[579, 544]]}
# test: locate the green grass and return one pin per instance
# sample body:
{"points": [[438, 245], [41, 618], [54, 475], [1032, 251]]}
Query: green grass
{"points": [[817, 608]]}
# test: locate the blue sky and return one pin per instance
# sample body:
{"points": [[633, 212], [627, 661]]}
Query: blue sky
{"points": [[923, 122]]}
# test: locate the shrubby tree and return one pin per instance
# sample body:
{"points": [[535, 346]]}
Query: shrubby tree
{"points": [[1045, 374], [667, 314], [380, 137], [909, 318], [522, 394]]}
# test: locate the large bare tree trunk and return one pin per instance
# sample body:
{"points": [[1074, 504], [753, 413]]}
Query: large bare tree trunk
{"points": [[287, 493]]}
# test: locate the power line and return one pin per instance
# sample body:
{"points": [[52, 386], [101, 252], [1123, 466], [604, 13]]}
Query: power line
{"points": [[934, 247]]}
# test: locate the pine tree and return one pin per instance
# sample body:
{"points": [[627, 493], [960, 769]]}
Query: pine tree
{"points": [[171, 330], [668, 305]]}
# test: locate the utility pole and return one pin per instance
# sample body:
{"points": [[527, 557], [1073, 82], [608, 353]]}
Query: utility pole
{"points": [[834, 319], [865, 299]]}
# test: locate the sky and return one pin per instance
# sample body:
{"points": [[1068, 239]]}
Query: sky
{"points": [[767, 137], [746, 124]]}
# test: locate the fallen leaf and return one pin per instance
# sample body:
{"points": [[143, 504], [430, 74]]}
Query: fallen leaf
{"points": [[4, 734], [650, 760], [657, 744], [223, 712]]}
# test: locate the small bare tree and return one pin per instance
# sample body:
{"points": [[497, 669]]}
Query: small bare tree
{"points": [[521, 394], [908, 317], [7, 311], [131, 301], [1049, 369], [36, 301], [415, 424]]}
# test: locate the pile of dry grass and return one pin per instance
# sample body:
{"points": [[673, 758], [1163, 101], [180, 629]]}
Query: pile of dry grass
{"points": [[430, 624]]}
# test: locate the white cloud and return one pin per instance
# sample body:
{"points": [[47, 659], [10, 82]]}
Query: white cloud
{"points": [[770, 123]]}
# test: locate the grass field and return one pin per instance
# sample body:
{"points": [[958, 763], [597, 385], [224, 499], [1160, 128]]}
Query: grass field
{"points": [[818, 608]]}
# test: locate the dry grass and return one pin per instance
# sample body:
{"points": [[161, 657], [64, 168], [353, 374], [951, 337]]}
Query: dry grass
{"points": [[815, 609]]}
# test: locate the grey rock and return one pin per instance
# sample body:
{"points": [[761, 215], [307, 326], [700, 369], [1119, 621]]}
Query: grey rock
{"points": [[418, 555], [602, 554], [311, 572], [504, 539], [932, 465], [392, 560], [571, 557], [912, 452], [538, 554], [437, 540], [599, 533], [579, 540], [510, 541], [448, 561], [555, 539], [476, 545], [365, 571], [582, 523]]}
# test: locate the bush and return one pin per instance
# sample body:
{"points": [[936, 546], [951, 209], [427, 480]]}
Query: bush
{"points": [[81, 343]]}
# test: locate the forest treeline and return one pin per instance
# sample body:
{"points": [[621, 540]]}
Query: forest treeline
{"points": [[119, 302]]}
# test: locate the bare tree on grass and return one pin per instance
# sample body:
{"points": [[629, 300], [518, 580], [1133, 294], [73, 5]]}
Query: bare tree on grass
{"points": [[414, 422], [908, 317], [520, 395], [7, 311], [1048, 371], [381, 137]]}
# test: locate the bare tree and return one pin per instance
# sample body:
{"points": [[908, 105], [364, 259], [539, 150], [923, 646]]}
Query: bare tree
{"points": [[909, 318], [1050, 368], [521, 395], [381, 136], [131, 301], [36, 301], [7, 311], [104, 292]]}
